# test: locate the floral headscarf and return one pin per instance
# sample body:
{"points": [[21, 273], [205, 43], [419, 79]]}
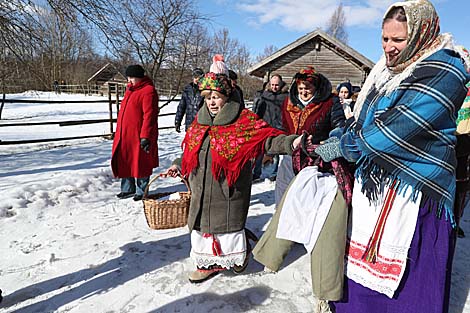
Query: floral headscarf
{"points": [[307, 74], [423, 31], [215, 82]]}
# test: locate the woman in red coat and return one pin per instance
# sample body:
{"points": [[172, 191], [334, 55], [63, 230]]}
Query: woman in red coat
{"points": [[135, 148]]}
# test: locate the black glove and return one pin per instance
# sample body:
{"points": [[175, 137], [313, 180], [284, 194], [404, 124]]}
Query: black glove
{"points": [[145, 144], [178, 127]]}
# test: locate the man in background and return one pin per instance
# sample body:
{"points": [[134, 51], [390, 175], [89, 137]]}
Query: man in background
{"points": [[269, 109], [190, 102], [237, 90]]}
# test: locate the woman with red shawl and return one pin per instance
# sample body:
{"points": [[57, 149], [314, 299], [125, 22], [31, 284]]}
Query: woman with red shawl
{"points": [[219, 151]]}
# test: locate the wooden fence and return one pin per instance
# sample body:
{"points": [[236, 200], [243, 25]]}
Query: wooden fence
{"points": [[110, 120]]}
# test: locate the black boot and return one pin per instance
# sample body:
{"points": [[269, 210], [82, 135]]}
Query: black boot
{"points": [[125, 195], [460, 233]]}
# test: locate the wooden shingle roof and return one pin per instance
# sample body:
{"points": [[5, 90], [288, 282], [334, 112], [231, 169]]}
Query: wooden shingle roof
{"points": [[340, 48], [107, 73]]}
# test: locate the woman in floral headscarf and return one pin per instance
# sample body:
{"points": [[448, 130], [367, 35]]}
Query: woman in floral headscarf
{"points": [[310, 108], [318, 197], [218, 154], [400, 243]]}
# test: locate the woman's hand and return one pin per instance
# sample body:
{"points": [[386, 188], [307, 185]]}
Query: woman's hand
{"points": [[172, 171], [297, 140]]}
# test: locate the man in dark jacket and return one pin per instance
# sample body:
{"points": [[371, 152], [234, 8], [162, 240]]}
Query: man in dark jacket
{"points": [[269, 109], [238, 92], [190, 102]]}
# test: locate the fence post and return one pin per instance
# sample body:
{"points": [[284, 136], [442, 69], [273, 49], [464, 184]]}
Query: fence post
{"points": [[111, 128], [3, 103], [117, 97]]}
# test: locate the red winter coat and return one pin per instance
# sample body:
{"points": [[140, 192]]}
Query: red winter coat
{"points": [[137, 118]]}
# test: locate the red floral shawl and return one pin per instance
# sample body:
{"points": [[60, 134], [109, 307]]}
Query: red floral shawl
{"points": [[231, 145]]}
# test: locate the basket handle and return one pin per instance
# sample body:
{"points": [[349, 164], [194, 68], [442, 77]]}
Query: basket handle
{"points": [[184, 180]]}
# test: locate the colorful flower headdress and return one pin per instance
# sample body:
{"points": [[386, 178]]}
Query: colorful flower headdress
{"points": [[306, 74], [215, 82]]}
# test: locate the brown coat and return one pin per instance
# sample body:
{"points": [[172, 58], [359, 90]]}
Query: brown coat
{"points": [[215, 207]]}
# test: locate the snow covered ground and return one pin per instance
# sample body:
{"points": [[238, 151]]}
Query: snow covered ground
{"points": [[69, 245]]}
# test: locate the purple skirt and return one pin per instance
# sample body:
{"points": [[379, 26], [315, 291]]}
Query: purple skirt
{"points": [[425, 285]]}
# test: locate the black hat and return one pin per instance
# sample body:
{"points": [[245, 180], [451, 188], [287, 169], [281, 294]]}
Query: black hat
{"points": [[232, 75], [135, 71], [197, 72]]}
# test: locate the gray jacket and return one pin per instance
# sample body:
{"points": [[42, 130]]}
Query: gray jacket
{"points": [[215, 207]]}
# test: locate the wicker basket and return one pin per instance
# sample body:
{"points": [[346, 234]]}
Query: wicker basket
{"points": [[165, 214]]}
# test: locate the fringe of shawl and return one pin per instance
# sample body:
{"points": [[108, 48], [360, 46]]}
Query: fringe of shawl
{"points": [[373, 176], [251, 150]]}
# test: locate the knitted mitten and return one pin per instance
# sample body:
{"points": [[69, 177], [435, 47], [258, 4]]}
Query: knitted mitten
{"points": [[329, 150]]}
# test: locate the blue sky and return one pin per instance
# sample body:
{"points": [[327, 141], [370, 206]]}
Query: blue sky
{"points": [[260, 23]]}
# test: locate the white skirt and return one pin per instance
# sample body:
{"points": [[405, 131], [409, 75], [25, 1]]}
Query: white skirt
{"points": [[225, 250]]}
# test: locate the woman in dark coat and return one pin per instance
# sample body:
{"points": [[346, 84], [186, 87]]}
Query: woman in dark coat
{"points": [[345, 92], [218, 154], [312, 108], [135, 148]]}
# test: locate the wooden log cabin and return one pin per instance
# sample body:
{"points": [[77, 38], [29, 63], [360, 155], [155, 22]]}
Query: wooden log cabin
{"points": [[107, 77], [329, 56]]}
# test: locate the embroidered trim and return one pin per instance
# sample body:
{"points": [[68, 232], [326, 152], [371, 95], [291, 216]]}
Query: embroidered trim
{"points": [[373, 246], [384, 268], [299, 116], [226, 261]]}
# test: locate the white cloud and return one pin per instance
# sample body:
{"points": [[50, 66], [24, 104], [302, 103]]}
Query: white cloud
{"points": [[308, 15]]}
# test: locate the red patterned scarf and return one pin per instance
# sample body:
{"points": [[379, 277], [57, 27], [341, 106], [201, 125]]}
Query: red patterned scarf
{"points": [[231, 145]]}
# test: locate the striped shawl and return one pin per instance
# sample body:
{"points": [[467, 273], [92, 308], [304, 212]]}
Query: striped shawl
{"points": [[408, 135]]}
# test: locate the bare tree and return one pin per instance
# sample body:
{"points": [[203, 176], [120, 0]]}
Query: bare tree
{"points": [[198, 48], [17, 22], [156, 34], [336, 26], [39, 45], [268, 51], [237, 56], [168, 37]]}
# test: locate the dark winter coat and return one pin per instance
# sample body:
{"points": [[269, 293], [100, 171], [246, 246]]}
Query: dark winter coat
{"points": [[215, 207], [269, 106], [318, 128], [462, 151], [137, 119], [240, 97], [190, 103]]}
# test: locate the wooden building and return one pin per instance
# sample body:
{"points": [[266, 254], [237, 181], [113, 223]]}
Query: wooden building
{"points": [[107, 76], [334, 59]]}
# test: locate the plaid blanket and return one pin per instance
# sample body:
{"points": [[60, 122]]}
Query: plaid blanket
{"points": [[408, 135]]}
